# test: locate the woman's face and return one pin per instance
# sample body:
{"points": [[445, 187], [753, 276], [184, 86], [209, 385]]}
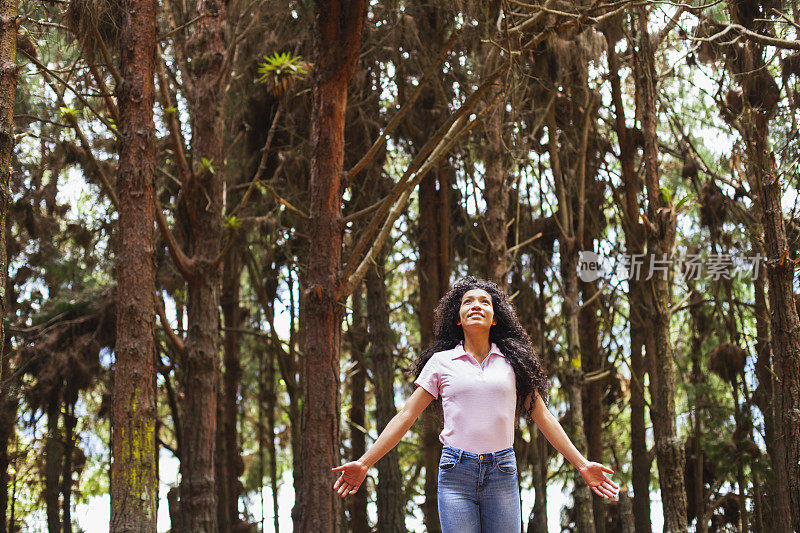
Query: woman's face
{"points": [[476, 310]]}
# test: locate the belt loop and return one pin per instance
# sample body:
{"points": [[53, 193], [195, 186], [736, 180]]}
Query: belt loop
{"points": [[460, 453]]}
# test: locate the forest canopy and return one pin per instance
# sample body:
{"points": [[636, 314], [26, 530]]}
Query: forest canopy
{"points": [[227, 225]]}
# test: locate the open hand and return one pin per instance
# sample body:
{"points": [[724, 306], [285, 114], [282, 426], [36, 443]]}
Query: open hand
{"points": [[594, 474], [353, 474]]}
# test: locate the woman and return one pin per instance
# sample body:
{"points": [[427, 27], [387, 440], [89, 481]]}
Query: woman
{"points": [[484, 367]]}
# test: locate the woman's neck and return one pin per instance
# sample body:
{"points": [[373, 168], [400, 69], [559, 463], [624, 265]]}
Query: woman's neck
{"points": [[477, 346]]}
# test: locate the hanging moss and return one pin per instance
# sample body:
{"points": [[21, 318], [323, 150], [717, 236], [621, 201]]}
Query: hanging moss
{"points": [[727, 361]]}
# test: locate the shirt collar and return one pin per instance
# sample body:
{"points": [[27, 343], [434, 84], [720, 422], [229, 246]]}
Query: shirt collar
{"points": [[459, 351]]}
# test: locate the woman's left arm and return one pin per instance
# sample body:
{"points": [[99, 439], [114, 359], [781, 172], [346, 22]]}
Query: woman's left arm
{"points": [[593, 473]]}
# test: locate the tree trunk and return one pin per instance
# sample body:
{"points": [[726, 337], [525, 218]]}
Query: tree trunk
{"points": [[591, 354], [433, 273], [202, 224], [574, 383], [430, 278], [269, 399], [52, 460], [391, 515], [573, 376], [537, 522], [661, 238], [763, 394], [134, 490], [495, 193], [66, 471], [696, 497], [232, 315], [358, 381], [634, 244], [785, 325], [592, 398], [8, 415], [337, 41], [8, 86]]}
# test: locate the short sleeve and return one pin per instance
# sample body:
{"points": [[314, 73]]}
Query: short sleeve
{"points": [[429, 377]]}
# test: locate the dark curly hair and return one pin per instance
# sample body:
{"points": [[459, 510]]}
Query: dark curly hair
{"points": [[508, 334]]}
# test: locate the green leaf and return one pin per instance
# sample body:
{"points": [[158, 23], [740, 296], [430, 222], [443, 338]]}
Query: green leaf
{"points": [[666, 196], [689, 200], [232, 222], [207, 164], [281, 70], [67, 112]]}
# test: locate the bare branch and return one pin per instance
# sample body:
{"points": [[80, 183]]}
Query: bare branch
{"points": [[262, 165], [456, 131], [44, 70], [748, 34], [379, 142], [184, 170], [106, 56], [663, 32], [176, 342], [183, 263], [371, 230]]}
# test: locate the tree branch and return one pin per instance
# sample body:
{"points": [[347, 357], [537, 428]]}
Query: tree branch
{"points": [[183, 263], [262, 165], [184, 170], [749, 34], [176, 342], [456, 131], [419, 159], [44, 70], [379, 142]]}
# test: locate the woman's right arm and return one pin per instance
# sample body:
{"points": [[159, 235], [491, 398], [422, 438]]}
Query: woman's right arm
{"points": [[354, 472]]}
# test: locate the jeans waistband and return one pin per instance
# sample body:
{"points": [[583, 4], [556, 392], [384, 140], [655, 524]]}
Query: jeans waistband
{"points": [[463, 455]]}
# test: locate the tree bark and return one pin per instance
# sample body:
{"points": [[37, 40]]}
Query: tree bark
{"points": [[232, 315], [8, 415], [660, 241], [268, 399], [202, 225], [359, 523], [134, 489], [537, 522], [573, 375], [8, 87], [391, 515], [66, 471], [785, 325], [496, 190], [52, 460], [763, 394], [338, 28], [634, 244]]}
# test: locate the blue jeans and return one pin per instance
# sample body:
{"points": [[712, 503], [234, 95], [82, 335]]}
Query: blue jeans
{"points": [[478, 493]]}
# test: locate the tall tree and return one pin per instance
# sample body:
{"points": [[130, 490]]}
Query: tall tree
{"points": [[391, 518], [134, 489], [201, 224], [8, 86], [338, 26], [750, 109], [662, 227], [230, 457], [634, 244]]}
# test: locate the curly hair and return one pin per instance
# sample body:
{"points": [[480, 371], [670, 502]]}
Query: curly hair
{"points": [[508, 334]]}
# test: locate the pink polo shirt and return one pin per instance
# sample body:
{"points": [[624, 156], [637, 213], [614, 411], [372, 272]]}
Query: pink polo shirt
{"points": [[478, 400]]}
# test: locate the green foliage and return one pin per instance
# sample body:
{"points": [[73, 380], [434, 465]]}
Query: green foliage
{"points": [[207, 165], [280, 71], [232, 222]]}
